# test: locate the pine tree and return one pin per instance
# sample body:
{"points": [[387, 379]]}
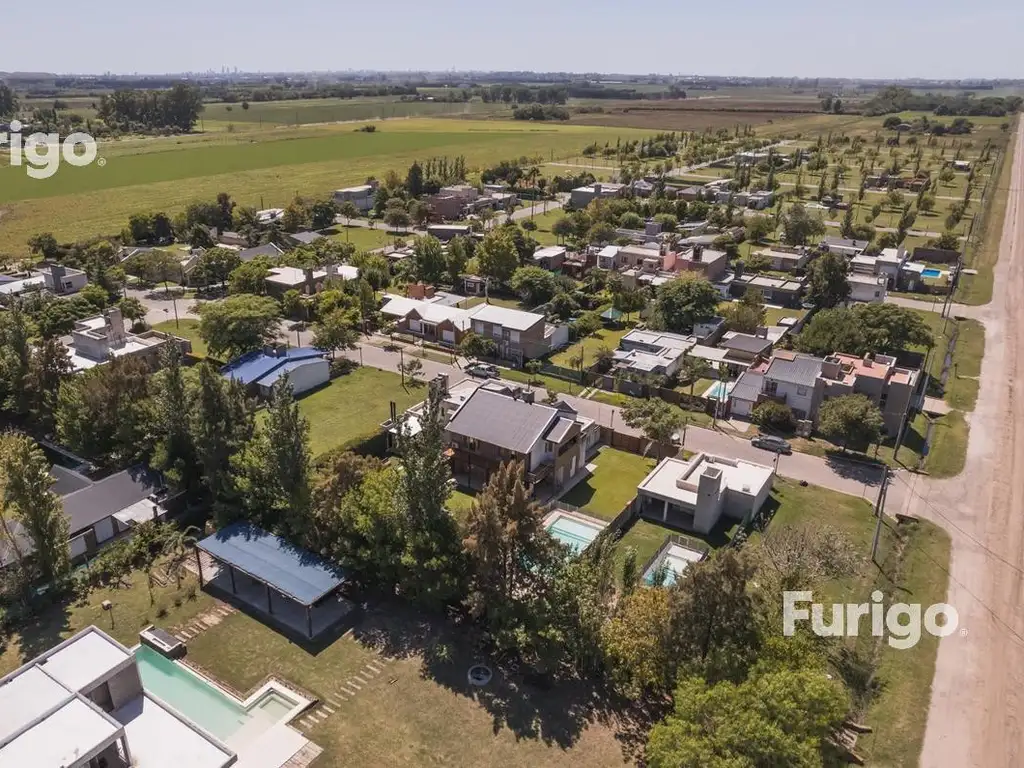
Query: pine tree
{"points": [[15, 354], [433, 559], [275, 468], [220, 423], [49, 366], [175, 453], [26, 480]]}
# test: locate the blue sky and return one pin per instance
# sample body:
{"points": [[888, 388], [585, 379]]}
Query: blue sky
{"points": [[864, 38]]}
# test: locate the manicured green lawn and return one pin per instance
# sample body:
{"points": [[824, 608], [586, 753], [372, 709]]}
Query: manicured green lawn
{"points": [[947, 453], [612, 484], [962, 385], [364, 238], [419, 710], [186, 329], [606, 337], [132, 610], [352, 407]]}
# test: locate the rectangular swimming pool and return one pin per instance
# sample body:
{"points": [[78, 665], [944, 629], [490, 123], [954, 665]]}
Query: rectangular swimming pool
{"points": [[719, 390], [574, 531], [674, 560], [931, 272], [203, 703]]}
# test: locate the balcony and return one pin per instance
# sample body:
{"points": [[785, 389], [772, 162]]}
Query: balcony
{"points": [[540, 473]]}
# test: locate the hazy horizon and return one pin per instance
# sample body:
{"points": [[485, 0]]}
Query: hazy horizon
{"points": [[871, 40]]}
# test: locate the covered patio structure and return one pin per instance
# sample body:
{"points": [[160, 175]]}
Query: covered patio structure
{"points": [[291, 585]]}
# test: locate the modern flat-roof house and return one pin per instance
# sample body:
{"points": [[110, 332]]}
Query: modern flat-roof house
{"points": [[55, 278], [306, 281], [694, 495], [843, 245], [82, 704], [746, 347], [445, 232], [706, 262], [804, 382], [785, 292], [785, 259], [652, 352], [581, 197], [549, 257], [608, 258], [496, 424], [306, 368], [96, 340], [362, 196], [867, 288]]}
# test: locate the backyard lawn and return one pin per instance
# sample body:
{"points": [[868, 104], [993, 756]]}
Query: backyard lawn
{"points": [[606, 337], [352, 407], [419, 710], [612, 484], [186, 329]]}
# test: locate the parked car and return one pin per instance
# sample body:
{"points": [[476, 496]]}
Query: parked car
{"points": [[771, 443], [482, 370]]}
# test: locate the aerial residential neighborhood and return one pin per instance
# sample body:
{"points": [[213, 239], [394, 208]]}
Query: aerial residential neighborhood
{"points": [[374, 415]]}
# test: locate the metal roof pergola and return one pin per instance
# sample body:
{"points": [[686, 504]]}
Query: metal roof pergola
{"points": [[276, 563]]}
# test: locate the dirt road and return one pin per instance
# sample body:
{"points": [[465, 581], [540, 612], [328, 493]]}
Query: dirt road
{"points": [[976, 704]]}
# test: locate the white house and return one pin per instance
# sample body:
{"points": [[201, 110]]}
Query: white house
{"points": [[695, 494], [867, 288]]}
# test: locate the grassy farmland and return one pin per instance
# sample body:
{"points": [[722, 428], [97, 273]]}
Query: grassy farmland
{"points": [[258, 167]]}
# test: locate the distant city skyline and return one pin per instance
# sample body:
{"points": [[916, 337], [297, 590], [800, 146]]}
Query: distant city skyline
{"points": [[871, 39]]}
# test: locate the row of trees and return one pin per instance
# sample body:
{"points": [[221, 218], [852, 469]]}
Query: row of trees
{"points": [[176, 108]]}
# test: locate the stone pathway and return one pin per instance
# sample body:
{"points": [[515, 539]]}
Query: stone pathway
{"points": [[359, 683], [304, 756], [203, 622]]}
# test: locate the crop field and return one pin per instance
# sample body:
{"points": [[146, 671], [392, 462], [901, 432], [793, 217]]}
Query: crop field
{"points": [[258, 168], [307, 111]]}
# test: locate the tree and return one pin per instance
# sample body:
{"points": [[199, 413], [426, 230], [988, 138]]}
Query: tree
{"points": [[238, 324], [563, 305], [322, 213], [433, 564], [694, 368], [214, 265], [412, 369], [397, 217], [562, 228], [772, 416], [274, 472], [456, 259], [221, 424], [830, 331], [863, 329], [497, 255], [846, 230], [947, 241], [132, 309], [335, 331], [784, 717], [637, 643], [475, 345], [348, 211], [629, 301], [586, 324], [534, 284], [658, 420], [44, 244], [25, 479], [682, 302], [174, 453], [827, 285], [758, 227], [250, 277], [414, 180], [799, 226], [15, 359], [8, 101], [507, 551], [48, 367], [747, 314], [428, 260], [850, 420]]}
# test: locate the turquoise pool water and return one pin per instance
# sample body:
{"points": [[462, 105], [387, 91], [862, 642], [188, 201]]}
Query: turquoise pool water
{"points": [[576, 533], [675, 560], [718, 391], [931, 273]]}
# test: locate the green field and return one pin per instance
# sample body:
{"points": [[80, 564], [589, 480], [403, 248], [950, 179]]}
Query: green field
{"points": [[258, 168], [306, 111]]}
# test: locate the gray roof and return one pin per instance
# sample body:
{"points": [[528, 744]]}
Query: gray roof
{"points": [[89, 505], [503, 421], [66, 480], [747, 387], [744, 342], [560, 430], [305, 237], [803, 370], [267, 249]]}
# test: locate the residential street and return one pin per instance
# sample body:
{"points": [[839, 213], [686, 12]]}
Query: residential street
{"points": [[982, 312], [975, 715]]}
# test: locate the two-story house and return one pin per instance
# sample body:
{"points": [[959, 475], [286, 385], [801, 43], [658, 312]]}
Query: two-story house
{"points": [[519, 335], [497, 424]]}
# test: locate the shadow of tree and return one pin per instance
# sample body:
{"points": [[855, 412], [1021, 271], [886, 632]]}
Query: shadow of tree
{"points": [[854, 467], [555, 711], [44, 630]]}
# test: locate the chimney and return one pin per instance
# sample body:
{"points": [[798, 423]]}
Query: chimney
{"points": [[698, 252], [761, 332], [868, 359], [115, 325], [528, 397], [597, 188], [57, 273]]}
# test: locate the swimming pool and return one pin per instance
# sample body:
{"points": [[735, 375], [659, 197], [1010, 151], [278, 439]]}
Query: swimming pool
{"points": [[674, 560], [719, 390], [576, 532], [931, 272], [203, 703]]}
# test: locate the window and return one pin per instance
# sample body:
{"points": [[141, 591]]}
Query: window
{"points": [[801, 390], [478, 327], [771, 387]]}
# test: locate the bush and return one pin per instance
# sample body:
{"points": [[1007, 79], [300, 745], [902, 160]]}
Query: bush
{"points": [[774, 416]]}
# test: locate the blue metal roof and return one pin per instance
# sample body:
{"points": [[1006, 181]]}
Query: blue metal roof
{"points": [[291, 570], [253, 366], [281, 370]]}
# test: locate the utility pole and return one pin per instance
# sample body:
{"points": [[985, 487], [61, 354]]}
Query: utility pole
{"points": [[401, 364], [879, 504]]}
